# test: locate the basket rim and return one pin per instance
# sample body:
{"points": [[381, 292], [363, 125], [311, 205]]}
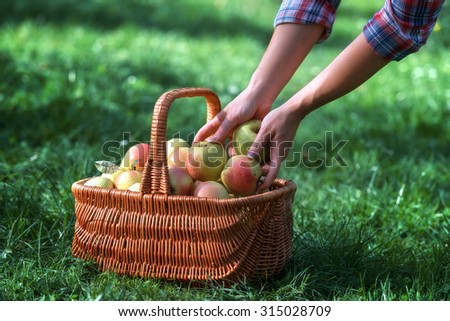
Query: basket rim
{"points": [[279, 187]]}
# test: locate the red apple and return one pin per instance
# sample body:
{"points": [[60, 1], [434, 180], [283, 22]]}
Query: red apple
{"points": [[136, 157], [241, 175], [181, 183], [206, 161], [128, 178], [211, 189]]}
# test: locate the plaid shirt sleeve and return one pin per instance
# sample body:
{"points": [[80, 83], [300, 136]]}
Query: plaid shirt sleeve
{"points": [[320, 12], [401, 27]]}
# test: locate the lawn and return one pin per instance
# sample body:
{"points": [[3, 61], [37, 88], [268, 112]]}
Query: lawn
{"points": [[76, 75]]}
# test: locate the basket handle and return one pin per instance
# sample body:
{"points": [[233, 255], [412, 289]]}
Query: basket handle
{"points": [[156, 176]]}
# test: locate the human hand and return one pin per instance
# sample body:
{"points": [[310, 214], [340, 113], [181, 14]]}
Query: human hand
{"points": [[277, 131], [247, 105]]}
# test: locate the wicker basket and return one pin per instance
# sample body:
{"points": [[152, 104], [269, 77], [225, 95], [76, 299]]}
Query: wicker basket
{"points": [[153, 234]]}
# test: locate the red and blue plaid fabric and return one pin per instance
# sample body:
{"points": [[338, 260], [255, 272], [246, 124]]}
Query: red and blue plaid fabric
{"points": [[309, 12], [400, 28]]}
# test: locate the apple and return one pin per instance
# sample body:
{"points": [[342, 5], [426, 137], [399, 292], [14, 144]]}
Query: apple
{"points": [[178, 157], [210, 189], [206, 161], [128, 178], [196, 183], [175, 143], [181, 183], [136, 157], [136, 187], [100, 181], [114, 175], [241, 175], [244, 135]]}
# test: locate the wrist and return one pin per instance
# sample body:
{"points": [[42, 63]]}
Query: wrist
{"points": [[299, 106], [262, 91]]}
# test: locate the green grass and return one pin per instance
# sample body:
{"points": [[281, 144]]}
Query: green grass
{"points": [[75, 76]]}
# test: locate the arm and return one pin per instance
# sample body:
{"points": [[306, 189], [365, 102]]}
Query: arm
{"points": [[351, 68], [288, 47], [400, 28]]}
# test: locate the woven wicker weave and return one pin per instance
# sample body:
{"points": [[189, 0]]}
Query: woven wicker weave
{"points": [[153, 234]]}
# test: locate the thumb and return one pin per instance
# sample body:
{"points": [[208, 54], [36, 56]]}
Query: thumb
{"points": [[271, 170], [257, 147]]}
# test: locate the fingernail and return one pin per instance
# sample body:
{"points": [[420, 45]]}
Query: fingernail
{"points": [[211, 139], [253, 156]]}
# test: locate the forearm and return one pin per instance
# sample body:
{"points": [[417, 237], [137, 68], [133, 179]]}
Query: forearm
{"points": [[287, 49], [355, 65]]}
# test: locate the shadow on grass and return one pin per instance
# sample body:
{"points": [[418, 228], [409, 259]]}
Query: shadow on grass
{"points": [[46, 107], [409, 133], [51, 122], [348, 264], [190, 18], [187, 17]]}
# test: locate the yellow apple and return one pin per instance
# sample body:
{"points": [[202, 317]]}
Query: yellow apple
{"points": [[206, 161], [175, 143], [210, 189], [178, 157], [244, 135], [136, 187], [114, 175], [100, 181], [128, 178]]}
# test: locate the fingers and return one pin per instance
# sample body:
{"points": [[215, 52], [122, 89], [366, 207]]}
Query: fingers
{"points": [[268, 179], [216, 130], [210, 127], [230, 148], [207, 130], [271, 170], [274, 149], [224, 131], [265, 169], [256, 149]]}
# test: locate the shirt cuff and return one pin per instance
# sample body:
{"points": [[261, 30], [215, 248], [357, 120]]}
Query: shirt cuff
{"points": [[308, 12], [398, 30]]}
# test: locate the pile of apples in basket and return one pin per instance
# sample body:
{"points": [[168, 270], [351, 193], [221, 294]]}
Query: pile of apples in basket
{"points": [[204, 169]]}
